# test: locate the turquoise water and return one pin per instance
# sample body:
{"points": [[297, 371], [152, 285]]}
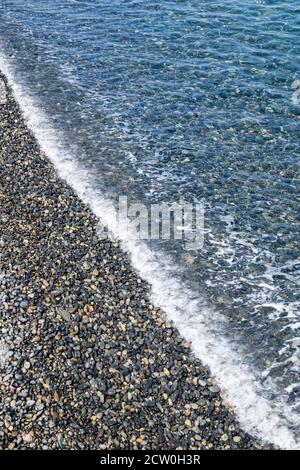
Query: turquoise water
{"points": [[193, 99]]}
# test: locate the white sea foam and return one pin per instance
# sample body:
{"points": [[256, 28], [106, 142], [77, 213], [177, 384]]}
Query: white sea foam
{"points": [[198, 323]]}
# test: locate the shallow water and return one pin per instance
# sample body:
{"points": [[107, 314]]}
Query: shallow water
{"points": [[193, 99]]}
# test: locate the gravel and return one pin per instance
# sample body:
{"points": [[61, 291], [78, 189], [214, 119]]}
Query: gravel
{"points": [[86, 362]]}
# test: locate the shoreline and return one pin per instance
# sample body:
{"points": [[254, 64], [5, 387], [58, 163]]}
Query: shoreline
{"points": [[88, 362]]}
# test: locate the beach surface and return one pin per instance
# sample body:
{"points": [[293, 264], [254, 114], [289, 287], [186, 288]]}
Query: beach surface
{"points": [[86, 362]]}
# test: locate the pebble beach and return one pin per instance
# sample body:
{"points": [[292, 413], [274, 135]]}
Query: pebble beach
{"points": [[86, 361]]}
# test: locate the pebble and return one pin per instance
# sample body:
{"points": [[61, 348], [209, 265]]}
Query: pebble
{"points": [[27, 437], [64, 314]]}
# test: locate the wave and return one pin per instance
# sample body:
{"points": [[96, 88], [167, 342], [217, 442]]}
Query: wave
{"points": [[195, 320]]}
